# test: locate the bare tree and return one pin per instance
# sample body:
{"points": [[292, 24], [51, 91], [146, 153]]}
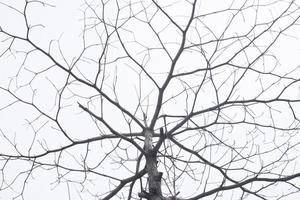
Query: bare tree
{"points": [[148, 99]]}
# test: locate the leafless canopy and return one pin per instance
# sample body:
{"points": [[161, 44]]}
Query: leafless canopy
{"points": [[149, 99]]}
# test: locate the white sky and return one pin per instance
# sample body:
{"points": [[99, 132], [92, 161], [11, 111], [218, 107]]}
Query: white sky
{"points": [[62, 30]]}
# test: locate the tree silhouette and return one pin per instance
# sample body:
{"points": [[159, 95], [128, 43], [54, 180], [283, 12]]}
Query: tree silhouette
{"points": [[149, 99]]}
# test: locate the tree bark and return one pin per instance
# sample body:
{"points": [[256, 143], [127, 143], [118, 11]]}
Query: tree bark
{"points": [[154, 177]]}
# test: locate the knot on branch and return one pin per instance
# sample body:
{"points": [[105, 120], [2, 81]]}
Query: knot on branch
{"points": [[158, 177]]}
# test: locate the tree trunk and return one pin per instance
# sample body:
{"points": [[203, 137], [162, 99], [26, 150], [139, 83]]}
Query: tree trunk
{"points": [[154, 177]]}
